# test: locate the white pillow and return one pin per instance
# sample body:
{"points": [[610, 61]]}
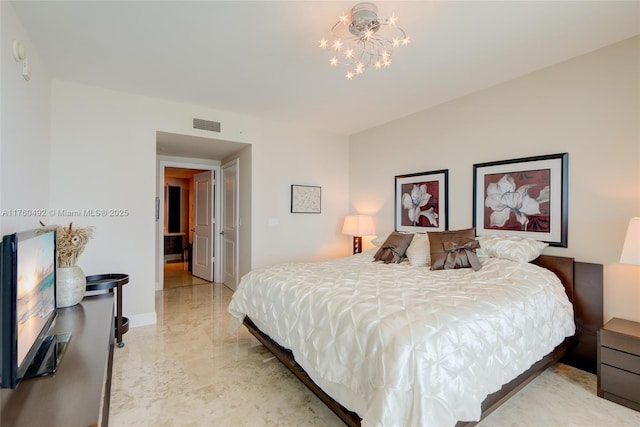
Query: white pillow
{"points": [[515, 248], [378, 240], [419, 252]]}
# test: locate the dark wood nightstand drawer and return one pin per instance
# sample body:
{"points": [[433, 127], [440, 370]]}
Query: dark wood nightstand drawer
{"points": [[619, 359], [619, 382], [621, 335]]}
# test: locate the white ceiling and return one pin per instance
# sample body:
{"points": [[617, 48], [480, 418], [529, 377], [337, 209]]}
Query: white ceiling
{"points": [[261, 58]]}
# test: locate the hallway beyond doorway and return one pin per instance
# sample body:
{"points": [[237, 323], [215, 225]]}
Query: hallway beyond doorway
{"points": [[176, 275]]}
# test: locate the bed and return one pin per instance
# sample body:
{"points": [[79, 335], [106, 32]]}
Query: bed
{"points": [[399, 344]]}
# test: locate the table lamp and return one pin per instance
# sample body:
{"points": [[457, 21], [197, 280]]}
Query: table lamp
{"points": [[358, 226], [631, 249], [618, 341]]}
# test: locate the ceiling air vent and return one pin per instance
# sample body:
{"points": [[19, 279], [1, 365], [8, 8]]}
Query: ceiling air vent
{"points": [[206, 125]]}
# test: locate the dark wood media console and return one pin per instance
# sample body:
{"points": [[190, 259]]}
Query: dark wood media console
{"points": [[78, 393]]}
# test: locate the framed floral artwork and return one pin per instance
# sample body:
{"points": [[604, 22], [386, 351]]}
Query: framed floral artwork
{"points": [[421, 202], [526, 197], [305, 199]]}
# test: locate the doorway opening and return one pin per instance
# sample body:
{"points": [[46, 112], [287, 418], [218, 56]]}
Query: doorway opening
{"points": [[179, 224], [222, 211], [187, 209]]}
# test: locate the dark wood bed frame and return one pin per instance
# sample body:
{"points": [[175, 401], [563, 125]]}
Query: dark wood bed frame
{"points": [[583, 285]]}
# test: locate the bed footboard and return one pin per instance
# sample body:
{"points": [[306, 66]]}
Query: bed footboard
{"points": [[492, 402], [286, 357]]}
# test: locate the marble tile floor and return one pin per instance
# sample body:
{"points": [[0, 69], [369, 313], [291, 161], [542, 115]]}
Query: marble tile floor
{"points": [[176, 276], [190, 370]]}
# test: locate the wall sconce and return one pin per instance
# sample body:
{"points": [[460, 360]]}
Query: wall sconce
{"points": [[358, 226], [20, 55]]}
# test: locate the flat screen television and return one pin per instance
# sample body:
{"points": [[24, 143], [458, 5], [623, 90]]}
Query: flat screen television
{"points": [[28, 307]]}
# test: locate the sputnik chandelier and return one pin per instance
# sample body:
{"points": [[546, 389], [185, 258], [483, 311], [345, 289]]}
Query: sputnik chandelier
{"points": [[361, 40]]}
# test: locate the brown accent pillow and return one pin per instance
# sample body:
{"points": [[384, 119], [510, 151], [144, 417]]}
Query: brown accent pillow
{"points": [[394, 248], [454, 249]]}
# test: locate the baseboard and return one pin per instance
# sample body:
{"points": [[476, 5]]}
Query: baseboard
{"points": [[144, 319]]}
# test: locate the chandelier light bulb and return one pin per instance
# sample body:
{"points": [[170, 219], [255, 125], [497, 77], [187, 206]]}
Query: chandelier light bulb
{"points": [[365, 39]]}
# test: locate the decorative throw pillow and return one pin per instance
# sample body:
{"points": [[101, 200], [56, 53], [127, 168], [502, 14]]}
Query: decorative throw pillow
{"points": [[418, 251], [515, 248], [454, 249], [394, 248]]}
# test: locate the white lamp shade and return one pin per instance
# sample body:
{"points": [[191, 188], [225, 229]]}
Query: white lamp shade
{"points": [[358, 225], [631, 248]]}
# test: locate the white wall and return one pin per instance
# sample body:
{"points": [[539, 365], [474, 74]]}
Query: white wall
{"points": [[301, 158], [103, 156], [588, 106], [24, 134]]}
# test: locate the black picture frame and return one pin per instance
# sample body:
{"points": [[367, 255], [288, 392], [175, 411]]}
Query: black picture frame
{"points": [[411, 212], [527, 197], [306, 199]]}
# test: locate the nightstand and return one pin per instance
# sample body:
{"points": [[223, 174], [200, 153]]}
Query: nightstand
{"points": [[619, 362]]}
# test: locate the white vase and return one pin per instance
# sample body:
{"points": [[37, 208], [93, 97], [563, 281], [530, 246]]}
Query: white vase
{"points": [[71, 284]]}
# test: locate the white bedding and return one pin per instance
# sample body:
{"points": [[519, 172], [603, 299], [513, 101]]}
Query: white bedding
{"points": [[405, 346]]}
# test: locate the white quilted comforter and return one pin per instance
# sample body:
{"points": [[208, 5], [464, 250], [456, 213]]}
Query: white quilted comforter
{"points": [[402, 345]]}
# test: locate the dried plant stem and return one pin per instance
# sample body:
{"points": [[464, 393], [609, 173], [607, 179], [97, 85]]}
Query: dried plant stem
{"points": [[70, 243]]}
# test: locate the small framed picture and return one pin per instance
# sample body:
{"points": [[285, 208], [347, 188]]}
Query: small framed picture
{"points": [[526, 197], [306, 199], [422, 202]]}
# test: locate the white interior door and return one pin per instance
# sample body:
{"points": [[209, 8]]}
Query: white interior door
{"points": [[230, 224], [203, 226]]}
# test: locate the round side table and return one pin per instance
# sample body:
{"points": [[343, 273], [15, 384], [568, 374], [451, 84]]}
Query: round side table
{"points": [[109, 282]]}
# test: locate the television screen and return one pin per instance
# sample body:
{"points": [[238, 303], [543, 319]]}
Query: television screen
{"points": [[27, 305], [36, 298]]}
